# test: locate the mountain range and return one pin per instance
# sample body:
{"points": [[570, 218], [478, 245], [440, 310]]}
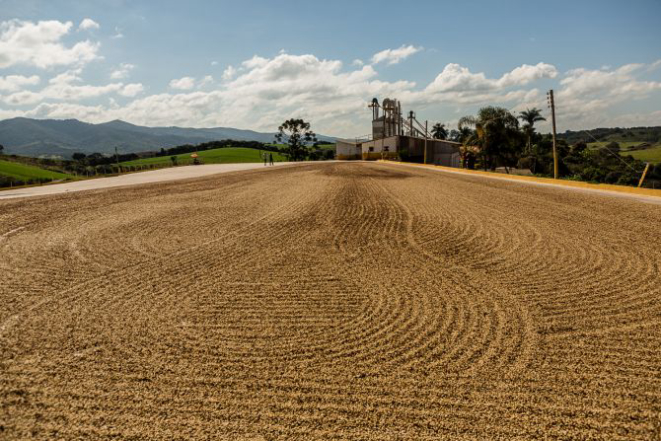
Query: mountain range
{"points": [[63, 138]]}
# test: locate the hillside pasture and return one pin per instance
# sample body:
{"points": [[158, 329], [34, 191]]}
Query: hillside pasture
{"points": [[623, 145], [25, 172], [652, 155]]}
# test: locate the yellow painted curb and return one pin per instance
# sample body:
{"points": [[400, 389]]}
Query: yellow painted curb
{"points": [[575, 184]]}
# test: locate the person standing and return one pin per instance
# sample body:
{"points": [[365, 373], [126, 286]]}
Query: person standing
{"points": [[265, 158], [271, 158]]}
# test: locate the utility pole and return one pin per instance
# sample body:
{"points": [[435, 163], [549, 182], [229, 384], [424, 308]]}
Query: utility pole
{"points": [[425, 142], [555, 150], [642, 178], [119, 167]]}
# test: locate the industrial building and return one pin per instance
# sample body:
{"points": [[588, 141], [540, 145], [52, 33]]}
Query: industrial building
{"points": [[394, 137]]}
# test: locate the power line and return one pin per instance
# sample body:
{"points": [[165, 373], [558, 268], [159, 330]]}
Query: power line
{"points": [[611, 152], [555, 163]]}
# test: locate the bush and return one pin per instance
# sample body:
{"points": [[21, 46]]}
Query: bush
{"points": [[613, 146], [612, 177], [6, 181]]}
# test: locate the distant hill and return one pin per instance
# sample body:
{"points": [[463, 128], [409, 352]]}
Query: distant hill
{"points": [[33, 137], [651, 135]]}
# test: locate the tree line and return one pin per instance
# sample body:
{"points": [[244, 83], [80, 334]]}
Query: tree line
{"points": [[99, 160], [96, 159]]}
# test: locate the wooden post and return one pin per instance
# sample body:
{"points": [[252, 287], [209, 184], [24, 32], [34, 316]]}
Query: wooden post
{"points": [[642, 178], [119, 167], [425, 142], [555, 150]]}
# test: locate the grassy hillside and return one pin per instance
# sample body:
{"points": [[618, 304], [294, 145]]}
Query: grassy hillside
{"points": [[623, 144], [228, 155], [637, 149], [24, 172], [652, 155]]}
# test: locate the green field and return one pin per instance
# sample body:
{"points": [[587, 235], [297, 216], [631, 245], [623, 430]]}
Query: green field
{"points": [[228, 155], [623, 145], [26, 172], [652, 155]]}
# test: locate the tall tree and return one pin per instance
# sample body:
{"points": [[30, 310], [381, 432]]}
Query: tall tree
{"points": [[463, 134], [298, 135], [438, 131], [2, 147], [530, 117], [496, 133]]}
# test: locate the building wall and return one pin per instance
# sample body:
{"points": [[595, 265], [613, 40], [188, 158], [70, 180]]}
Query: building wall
{"points": [[385, 148], [347, 150], [438, 152], [447, 159]]}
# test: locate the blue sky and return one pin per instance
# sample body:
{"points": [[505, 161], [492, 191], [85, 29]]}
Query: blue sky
{"points": [[252, 64]]}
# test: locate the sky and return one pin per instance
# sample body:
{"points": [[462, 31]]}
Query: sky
{"points": [[252, 64]]}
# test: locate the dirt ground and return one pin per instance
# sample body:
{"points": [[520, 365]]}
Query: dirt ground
{"points": [[330, 301]]}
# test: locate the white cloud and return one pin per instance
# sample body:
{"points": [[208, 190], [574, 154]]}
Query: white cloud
{"points": [[188, 83], [455, 77], [214, 63], [270, 90], [229, 73], [122, 71], [286, 68], [69, 110], [526, 73], [131, 90], [615, 84], [68, 86], [254, 62], [586, 97], [38, 44], [88, 24], [23, 98], [64, 87], [118, 33], [206, 81], [185, 83], [394, 56], [13, 83], [357, 62]]}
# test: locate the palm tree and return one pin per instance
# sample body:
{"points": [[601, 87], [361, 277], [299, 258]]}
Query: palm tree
{"points": [[439, 131], [530, 117], [463, 134], [496, 130]]}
